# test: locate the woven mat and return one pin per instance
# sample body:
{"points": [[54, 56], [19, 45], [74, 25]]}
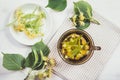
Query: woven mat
{"points": [[105, 35]]}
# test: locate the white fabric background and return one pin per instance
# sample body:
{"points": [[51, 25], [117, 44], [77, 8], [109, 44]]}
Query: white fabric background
{"points": [[110, 9]]}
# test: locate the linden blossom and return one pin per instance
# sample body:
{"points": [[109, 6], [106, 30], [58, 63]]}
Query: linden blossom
{"points": [[75, 47], [29, 23], [83, 15], [36, 60]]}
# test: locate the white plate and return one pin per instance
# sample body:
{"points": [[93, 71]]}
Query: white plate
{"points": [[46, 28]]}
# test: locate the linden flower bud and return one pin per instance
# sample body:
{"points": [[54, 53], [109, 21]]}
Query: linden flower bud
{"points": [[49, 72], [78, 56], [45, 74], [45, 58], [81, 17], [64, 45], [52, 62], [66, 57], [81, 23], [18, 13], [20, 27], [86, 47], [74, 19], [45, 63]]}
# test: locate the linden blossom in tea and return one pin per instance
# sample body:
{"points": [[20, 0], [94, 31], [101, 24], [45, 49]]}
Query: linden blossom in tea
{"points": [[76, 46]]}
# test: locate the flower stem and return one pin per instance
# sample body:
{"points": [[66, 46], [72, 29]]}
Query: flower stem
{"points": [[94, 21], [28, 75]]}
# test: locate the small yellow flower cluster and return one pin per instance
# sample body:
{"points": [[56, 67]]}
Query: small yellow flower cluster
{"points": [[74, 47], [21, 26], [18, 13], [81, 19], [78, 18], [50, 63]]}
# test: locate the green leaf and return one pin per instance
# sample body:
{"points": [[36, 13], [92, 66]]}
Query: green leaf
{"points": [[29, 60], [83, 6], [32, 59], [13, 61], [57, 5], [35, 58], [41, 46]]}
